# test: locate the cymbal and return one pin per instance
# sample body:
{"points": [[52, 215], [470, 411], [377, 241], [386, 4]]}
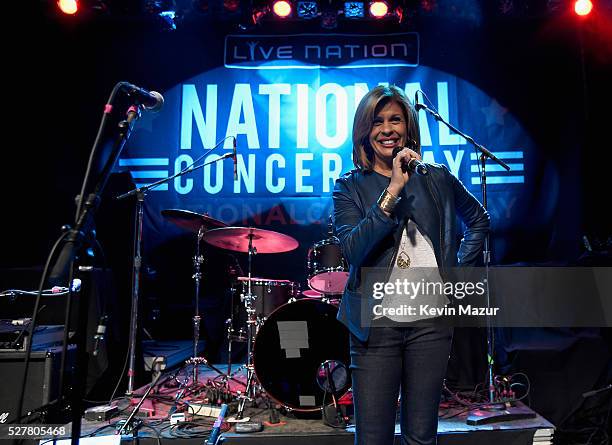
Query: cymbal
{"points": [[237, 240], [192, 221]]}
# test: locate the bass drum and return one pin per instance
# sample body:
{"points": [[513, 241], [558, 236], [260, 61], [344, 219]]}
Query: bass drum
{"points": [[291, 346]]}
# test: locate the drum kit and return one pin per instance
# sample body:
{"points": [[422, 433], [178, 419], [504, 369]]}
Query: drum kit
{"points": [[297, 352]]}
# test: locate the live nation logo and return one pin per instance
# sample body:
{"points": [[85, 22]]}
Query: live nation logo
{"points": [[313, 51]]}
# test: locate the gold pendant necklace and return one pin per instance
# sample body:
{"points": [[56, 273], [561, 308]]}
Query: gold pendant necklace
{"points": [[403, 260]]}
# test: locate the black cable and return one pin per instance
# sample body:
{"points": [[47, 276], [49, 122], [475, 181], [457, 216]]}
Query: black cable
{"points": [[155, 430], [10, 292], [125, 363], [324, 413], [32, 325], [105, 119], [96, 431]]}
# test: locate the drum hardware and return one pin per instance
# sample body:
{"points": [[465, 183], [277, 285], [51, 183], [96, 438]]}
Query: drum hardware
{"points": [[197, 224], [197, 276], [327, 268], [249, 392], [251, 241], [267, 295], [231, 338], [332, 376]]}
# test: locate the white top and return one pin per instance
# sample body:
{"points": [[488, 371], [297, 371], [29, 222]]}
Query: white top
{"points": [[415, 265]]}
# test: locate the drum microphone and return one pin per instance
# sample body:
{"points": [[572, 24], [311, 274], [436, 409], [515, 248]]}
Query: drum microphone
{"points": [[414, 165]]}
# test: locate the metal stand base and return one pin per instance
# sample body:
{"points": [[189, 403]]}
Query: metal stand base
{"points": [[498, 412]]}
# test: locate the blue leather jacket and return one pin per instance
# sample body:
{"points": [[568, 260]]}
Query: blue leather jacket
{"points": [[369, 238]]}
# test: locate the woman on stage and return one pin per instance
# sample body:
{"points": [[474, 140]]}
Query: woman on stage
{"points": [[389, 217]]}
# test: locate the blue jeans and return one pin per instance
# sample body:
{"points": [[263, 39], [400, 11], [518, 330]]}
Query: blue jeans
{"points": [[412, 359]]}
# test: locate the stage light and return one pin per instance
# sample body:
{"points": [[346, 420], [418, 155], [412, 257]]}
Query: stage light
{"points": [[154, 7], [307, 10], [169, 19], [200, 6], [583, 7], [258, 15], [164, 12], [231, 5], [354, 10], [378, 9], [428, 6], [329, 19], [282, 8], [68, 6]]}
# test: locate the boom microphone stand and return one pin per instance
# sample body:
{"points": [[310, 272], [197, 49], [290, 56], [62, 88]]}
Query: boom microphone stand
{"points": [[498, 411], [140, 193], [106, 150]]}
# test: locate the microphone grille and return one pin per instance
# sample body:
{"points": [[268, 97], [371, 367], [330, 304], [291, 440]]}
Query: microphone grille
{"points": [[159, 102]]}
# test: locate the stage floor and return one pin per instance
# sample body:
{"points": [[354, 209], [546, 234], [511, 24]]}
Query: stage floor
{"points": [[293, 429]]}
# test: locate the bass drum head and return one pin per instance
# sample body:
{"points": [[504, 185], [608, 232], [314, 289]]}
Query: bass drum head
{"points": [[290, 347]]}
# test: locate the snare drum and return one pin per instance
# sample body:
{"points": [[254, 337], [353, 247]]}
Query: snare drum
{"points": [[291, 346], [327, 268]]}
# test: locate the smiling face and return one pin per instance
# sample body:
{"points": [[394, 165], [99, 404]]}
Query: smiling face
{"points": [[388, 131]]}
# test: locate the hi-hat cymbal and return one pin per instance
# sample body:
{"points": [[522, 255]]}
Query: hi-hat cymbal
{"points": [[192, 221], [237, 240]]}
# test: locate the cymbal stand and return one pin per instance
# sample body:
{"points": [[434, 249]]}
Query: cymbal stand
{"points": [[231, 338], [249, 392], [197, 276], [230, 333]]}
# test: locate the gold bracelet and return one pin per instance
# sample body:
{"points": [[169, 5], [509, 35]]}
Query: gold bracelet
{"points": [[387, 201]]}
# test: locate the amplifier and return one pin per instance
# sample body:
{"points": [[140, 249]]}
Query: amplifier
{"points": [[14, 337], [42, 386]]}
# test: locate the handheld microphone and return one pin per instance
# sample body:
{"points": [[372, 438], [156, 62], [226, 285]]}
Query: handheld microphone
{"points": [[150, 100], [414, 165], [235, 161]]}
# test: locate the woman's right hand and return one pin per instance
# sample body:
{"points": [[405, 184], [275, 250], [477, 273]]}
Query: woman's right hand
{"points": [[398, 177]]}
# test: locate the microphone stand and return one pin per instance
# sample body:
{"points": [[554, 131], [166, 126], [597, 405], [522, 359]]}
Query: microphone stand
{"points": [[140, 193], [104, 154], [130, 425], [332, 388], [494, 411]]}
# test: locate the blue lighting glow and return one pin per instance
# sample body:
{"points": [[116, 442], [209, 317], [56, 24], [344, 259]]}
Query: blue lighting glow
{"points": [[354, 10], [307, 9], [168, 17], [294, 131]]}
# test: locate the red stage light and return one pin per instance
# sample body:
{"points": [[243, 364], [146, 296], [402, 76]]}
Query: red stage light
{"points": [[68, 6], [378, 9], [282, 8], [583, 7], [231, 5]]}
